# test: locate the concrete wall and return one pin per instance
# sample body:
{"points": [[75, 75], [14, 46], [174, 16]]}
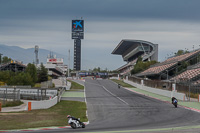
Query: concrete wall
{"points": [[166, 93], [45, 104]]}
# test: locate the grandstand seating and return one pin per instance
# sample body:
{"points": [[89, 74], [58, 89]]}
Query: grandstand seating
{"points": [[181, 57], [189, 74], [167, 64], [157, 69], [197, 82], [127, 67], [13, 66]]}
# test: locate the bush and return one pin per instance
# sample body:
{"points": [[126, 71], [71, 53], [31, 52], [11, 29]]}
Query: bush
{"points": [[12, 103], [21, 79], [37, 85]]}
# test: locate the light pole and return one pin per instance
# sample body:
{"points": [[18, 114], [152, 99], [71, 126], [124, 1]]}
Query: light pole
{"points": [[189, 89], [0, 58], [167, 74]]}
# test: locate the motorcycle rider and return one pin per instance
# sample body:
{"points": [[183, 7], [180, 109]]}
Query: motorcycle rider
{"points": [[119, 85], [73, 118], [174, 99]]}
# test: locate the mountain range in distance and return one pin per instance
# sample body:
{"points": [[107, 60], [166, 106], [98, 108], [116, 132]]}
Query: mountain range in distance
{"points": [[28, 55]]}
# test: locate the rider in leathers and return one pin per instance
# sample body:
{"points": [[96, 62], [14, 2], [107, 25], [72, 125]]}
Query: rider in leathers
{"points": [[73, 118], [173, 98]]}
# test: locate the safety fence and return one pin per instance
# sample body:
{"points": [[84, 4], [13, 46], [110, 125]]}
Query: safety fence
{"points": [[184, 87], [10, 94], [28, 94]]}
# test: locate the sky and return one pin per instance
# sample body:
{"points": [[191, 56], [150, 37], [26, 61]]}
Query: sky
{"points": [[172, 24]]}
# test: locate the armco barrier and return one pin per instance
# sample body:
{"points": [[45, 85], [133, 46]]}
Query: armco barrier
{"points": [[45, 104], [166, 93]]}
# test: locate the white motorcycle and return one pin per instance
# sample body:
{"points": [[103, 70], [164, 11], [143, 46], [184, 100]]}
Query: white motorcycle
{"points": [[76, 124]]}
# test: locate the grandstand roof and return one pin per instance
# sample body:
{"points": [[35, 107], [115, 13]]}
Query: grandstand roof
{"points": [[126, 44]]}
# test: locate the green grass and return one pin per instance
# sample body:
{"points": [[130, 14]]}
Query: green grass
{"points": [[54, 116], [73, 94], [122, 83], [10, 103], [75, 86]]}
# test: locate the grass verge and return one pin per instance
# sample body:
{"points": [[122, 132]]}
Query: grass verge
{"points": [[54, 116], [10, 103], [122, 83], [75, 86]]}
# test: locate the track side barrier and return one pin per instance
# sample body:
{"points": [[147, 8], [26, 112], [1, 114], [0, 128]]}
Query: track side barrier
{"points": [[43, 104], [180, 96]]}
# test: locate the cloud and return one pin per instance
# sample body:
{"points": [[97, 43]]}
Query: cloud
{"points": [[104, 9], [171, 24]]}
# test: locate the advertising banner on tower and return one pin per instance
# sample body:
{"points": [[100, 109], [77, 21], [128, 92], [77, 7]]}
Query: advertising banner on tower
{"points": [[77, 35], [77, 25]]}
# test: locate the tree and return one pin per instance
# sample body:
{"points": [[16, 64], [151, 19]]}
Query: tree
{"points": [[5, 59], [139, 59], [32, 71], [21, 78], [42, 74], [141, 66], [98, 69], [180, 52], [5, 76]]}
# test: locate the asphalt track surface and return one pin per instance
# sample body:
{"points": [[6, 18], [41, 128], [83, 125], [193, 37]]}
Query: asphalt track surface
{"points": [[114, 109]]}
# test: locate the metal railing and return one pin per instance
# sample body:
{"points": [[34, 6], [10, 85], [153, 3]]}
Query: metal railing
{"points": [[10, 94]]}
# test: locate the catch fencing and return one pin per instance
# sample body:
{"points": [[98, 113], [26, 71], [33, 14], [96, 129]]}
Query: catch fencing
{"points": [[27, 94], [10, 94]]}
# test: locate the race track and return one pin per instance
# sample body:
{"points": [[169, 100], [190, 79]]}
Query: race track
{"points": [[110, 108], [113, 109]]}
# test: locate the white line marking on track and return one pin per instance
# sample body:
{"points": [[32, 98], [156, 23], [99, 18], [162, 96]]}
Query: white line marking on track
{"points": [[110, 93], [95, 84], [115, 95]]}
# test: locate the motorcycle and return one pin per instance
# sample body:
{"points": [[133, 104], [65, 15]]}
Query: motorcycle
{"points": [[175, 103], [76, 124], [119, 86]]}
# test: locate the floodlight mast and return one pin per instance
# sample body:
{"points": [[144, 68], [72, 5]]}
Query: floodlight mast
{"points": [[36, 54]]}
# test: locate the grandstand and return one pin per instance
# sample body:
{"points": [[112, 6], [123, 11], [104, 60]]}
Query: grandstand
{"points": [[191, 74], [130, 50], [172, 66], [55, 66], [14, 66]]}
